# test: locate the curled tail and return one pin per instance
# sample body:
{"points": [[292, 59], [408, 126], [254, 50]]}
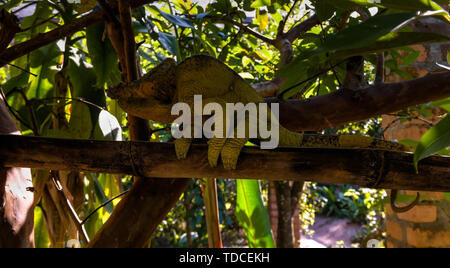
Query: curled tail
{"points": [[292, 139]]}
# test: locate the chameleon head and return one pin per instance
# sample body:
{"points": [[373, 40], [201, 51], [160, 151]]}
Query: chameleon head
{"points": [[159, 83]]}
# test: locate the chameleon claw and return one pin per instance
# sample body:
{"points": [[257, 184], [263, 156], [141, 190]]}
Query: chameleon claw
{"points": [[230, 163], [182, 148], [214, 148], [230, 156]]}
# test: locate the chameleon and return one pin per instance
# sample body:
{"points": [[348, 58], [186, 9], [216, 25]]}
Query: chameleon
{"points": [[152, 96]]}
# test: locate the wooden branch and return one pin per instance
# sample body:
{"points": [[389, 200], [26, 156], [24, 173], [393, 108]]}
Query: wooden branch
{"points": [[362, 167], [301, 28], [344, 106], [70, 28], [245, 29]]}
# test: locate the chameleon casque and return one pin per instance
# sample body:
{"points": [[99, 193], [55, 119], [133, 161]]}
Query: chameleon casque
{"points": [[152, 97]]}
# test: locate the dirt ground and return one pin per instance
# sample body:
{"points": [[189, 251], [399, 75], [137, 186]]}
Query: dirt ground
{"points": [[329, 231]]}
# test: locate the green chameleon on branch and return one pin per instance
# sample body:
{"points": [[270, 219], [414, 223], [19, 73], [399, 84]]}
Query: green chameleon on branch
{"points": [[152, 97]]}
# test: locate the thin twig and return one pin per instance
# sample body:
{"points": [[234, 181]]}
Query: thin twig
{"points": [[14, 113], [18, 67], [76, 99], [23, 7], [283, 22], [103, 205], [240, 26], [280, 96], [40, 23]]}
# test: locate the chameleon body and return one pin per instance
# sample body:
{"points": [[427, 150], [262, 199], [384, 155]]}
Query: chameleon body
{"points": [[152, 96]]}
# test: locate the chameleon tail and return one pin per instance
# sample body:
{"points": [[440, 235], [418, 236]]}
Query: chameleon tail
{"points": [[292, 139]]}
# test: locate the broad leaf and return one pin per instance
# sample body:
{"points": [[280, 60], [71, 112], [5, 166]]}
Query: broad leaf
{"points": [[41, 239], [86, 5], [100, 193], [43, 63], [10, 4], [109, 126], [436, 139], [103, 56], [83, 81], [324, 10], [170, 43], [252, 214], [341, 46], [262, 19], [394, 4], [261, 3], [80, 124], [182, 22]]}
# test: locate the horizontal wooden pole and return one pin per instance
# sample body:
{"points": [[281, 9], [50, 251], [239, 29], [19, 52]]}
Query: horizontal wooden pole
{"points": [[360, 167]]}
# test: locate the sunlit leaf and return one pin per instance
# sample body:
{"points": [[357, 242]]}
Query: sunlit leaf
{"points": [[253, 215], [437, 138], [80, 124], [109, 126], [42, 62], [170, 43], [261, 3], [86, 5], [103, 56], [41, 238], [262, 19], [182, 22]]}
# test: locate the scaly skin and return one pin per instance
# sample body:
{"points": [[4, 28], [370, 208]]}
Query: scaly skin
{"points": [[151, 96]]}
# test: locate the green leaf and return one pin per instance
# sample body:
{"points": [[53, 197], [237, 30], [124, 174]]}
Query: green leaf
{"points": [[10, 4], [262, 19], [103, 56], [394, 4], [80, 124], [201, 15], [41, 238], [261, 3], [86, 5], [170, 43], [336, 53], [83, 81], [182, 22], [448, 58], [109, 126], [43, 63], [366, 33], [447, 195], [324, 10], [100, 193], [436, 139], [252, 214]]}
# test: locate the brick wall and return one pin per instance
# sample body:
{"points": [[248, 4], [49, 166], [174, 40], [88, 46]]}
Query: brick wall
{"points": [[428, 224]]}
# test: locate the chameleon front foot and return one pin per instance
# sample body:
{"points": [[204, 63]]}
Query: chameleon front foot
{"points": [[215, 146], [182, 146], [230, 153]]}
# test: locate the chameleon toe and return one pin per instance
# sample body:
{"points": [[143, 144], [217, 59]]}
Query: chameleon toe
{"points": [[182, 147]]}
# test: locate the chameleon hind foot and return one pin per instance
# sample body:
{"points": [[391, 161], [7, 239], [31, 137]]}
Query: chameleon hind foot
{"points": [[182, 146], [215, 146], [230, 152]]}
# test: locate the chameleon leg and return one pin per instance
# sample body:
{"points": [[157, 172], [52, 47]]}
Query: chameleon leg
{"points": [[215, 146], [182, 146], [231, 151]]}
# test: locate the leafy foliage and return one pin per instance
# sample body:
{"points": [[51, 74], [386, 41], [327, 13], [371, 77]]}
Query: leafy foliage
{"points": [[58, 91]]}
